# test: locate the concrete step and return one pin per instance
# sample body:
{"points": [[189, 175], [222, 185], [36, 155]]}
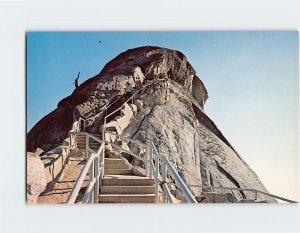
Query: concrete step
{"points": [[127, 198], [116, 166], [83, 137], [127, 189], [91, 146], [113, 161], [95, 148], [117, 171], [90, 142], [122, 180]]}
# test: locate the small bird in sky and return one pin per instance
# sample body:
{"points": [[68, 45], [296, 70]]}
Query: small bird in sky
{"points": [[100, 41]]}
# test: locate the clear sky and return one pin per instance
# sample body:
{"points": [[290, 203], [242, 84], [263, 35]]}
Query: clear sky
{"points": [[251, 78]]}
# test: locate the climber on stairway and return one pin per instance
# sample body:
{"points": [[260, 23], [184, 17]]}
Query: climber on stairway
{"points": [[76, 81], [129, 90]]}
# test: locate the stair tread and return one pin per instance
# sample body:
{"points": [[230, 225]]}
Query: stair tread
{"points": [[126, 177], [118, 169], [91, 143], [128, 194], [83, 141], [113, 159], [127, 186], [124, 171]]}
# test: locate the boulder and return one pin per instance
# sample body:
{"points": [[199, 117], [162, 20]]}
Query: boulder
{"points": [[133, 108], [124, 120], [139, 104], [113, 126], [54, 162], [36, 177], [138, 74]]}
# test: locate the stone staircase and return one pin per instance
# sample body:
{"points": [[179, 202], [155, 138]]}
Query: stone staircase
{"points": [[120, 185], [81, 142]]}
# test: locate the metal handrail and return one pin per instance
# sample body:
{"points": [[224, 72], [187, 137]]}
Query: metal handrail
{"points": [[167, 167], [79, 181], [168, 194], [145, 159], [87, 134], [126, 151], [127, 139], [132, 97], [80, 119], [93, 137], [151, 153], [255, 191], [92, 165]]}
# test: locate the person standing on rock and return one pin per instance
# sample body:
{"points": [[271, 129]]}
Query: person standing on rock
{"points": [[129, 90], [76, 80]]}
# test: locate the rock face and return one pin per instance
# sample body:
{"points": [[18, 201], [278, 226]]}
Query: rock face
{"points": [[50, 130], [170, 114], [96, 93]]}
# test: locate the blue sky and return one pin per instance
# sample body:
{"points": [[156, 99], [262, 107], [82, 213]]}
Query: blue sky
{"points": [[251, 78]]}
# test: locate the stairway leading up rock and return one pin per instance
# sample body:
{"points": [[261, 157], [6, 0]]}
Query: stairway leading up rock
{"points": [[121, 186], [81, 142]]}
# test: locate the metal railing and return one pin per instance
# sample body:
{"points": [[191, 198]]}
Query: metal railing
{"points": [[254, 191], [94, 166], [132, 98], [157, 167], [82, 121], [161, 163], [152, 160], [121, 149]]}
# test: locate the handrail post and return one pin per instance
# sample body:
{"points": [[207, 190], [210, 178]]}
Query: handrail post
{"points": [[86, 146], [255, 195], [103, 161], [91, 177], [156, 178], [103, 139], [75, 141], [147, 164], [164, 176], [103, 129], [96, 189], [150, 160]]}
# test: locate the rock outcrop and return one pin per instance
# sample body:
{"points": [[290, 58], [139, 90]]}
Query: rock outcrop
{"points": [[96, 93], [170, 114], [36, 177]]}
